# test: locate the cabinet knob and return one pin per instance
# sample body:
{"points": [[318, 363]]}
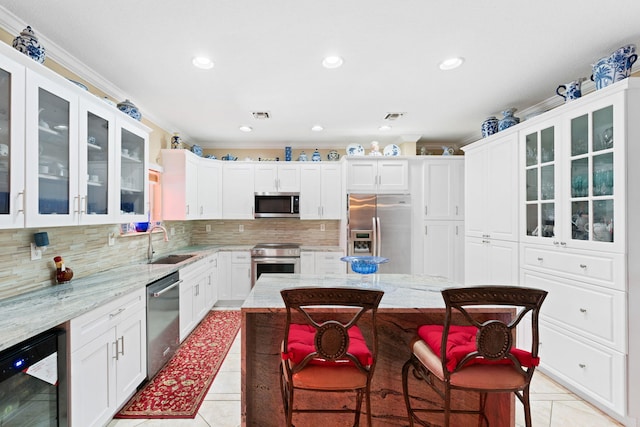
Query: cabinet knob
{"points": [[556, 243], [540, 259], [582, 365], [584, 266], [563, 243], [583, 310]]}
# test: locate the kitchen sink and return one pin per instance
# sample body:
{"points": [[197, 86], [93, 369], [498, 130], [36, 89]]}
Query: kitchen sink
{"points": [[172, 259]]}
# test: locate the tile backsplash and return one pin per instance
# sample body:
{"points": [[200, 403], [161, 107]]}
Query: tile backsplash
{"points": [[86, 250]]}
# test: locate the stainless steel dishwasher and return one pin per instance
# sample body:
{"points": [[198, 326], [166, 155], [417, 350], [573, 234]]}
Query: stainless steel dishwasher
{"points": [[163, 321]]}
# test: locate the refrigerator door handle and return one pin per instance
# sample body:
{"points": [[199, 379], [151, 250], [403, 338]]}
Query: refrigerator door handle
{"points": [[374, 238], [379, 237]]}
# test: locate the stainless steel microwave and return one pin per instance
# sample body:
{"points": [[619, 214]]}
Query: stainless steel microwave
{"points": [[277, 205]]}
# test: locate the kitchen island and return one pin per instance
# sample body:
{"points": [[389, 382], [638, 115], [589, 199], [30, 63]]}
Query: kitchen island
{"points": [[408, 302]]}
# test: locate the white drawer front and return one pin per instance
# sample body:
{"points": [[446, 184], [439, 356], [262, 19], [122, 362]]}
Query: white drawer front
{"points": [[599, 373], [92, 324], [593, 311], [241, 257], [602, 268]]}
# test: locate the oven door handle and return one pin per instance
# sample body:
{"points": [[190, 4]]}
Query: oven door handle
{"points": [[167, 289], [275, 260]]}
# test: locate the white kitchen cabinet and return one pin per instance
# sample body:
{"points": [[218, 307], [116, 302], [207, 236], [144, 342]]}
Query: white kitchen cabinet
{"points": [[491, 187], [197, 293], [237, 190], [108, 358], [276, 177], [132, 167], [443, 188], [322, 262], [12, 150], [490, 262], [234, 275], [368, 175], [321, 194], [191, 186], [443, 249], [211, 285]]}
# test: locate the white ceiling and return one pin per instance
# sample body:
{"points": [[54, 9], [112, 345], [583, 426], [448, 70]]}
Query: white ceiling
{"points": [[267, 57]]}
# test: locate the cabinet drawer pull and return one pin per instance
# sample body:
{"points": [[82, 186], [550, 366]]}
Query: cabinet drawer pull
{"points": [[425, 230], [121, 345], [540, 259], [425, 210], [583, 265], [563, 243], [556, 243], [583, 310], [456, 210], [112, 315], [582, 365]]}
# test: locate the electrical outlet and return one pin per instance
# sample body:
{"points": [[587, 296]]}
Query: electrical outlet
{"points": [[36, 252], [321, 227], [241, 228], [208, 228], [112, 239]]}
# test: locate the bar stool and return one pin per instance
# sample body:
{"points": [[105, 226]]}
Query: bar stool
{"points": [[329, 352]]}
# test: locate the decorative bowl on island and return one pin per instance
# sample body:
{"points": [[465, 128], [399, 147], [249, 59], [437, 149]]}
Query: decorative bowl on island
{"points": [[364, 264]]}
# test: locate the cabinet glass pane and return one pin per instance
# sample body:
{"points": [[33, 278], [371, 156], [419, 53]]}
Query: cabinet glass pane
{"points": [[603, 129], [132, 176], [53, 147], [532, 220], [5, 140], [98, 164], [580, 178], [547, 186], [603, 175], [532, 184], [548, 214], [603, 220], [579, 135], [547, 144], [580, 220], [532, 149]]}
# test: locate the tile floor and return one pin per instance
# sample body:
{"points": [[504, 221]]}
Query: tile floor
{"points": [[552, 405]]}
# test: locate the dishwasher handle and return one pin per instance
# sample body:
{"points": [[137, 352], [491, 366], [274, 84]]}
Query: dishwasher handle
{"points": [[167, 289]]}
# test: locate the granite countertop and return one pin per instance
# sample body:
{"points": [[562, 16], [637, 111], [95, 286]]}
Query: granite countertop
{"points": [[400, 290], [27, 315]]}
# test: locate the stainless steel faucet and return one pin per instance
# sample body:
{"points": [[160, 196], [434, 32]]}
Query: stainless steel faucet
{"points": [[150, 250]]}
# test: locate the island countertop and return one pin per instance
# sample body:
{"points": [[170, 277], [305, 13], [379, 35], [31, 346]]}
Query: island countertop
{"points": [[408, 301]]}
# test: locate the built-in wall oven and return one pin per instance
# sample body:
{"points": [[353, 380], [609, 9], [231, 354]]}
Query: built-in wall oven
{"points": [[33, 382], [274, 258]]}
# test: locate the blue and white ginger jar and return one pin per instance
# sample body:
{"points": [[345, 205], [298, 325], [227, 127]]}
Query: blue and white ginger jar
{"points": [[489, 126], [28, 43], [508, 120], [315, 157], [129, 108], [197, 150]]}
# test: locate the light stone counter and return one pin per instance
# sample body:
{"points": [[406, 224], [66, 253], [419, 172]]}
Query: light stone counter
{"points": [[408, 301], [29, 314]]}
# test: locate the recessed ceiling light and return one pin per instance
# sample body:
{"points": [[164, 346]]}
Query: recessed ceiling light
{"points": [[332, 62], [451, 63], [203, 62], [317, 128], [384, 127], [245, 128]]}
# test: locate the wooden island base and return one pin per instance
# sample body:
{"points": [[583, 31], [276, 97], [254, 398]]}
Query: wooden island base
{"points": [[261, 400]]}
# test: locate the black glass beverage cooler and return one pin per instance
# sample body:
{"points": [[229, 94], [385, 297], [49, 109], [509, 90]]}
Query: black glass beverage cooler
{"points": [[33, 386]]}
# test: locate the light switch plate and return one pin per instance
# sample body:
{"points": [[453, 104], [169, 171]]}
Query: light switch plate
{"points": [[36, 252]]}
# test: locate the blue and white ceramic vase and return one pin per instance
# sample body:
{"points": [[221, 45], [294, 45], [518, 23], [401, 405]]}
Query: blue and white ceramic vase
{"points": [[287, 154], [197, 150], [28, 43], [176, 142], [129, 108], [302, 157], [315, 157], [508, 120], [489, 126], [622, 60]]}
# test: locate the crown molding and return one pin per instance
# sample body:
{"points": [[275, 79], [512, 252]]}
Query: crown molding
{"points": [[14, 25]]}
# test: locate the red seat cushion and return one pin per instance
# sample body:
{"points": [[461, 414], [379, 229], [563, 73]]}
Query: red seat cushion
{"points": [[301, 343], [462, 341]]}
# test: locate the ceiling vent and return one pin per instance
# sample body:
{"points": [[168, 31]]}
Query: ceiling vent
{"points": [[260, 115], [393, 116]]}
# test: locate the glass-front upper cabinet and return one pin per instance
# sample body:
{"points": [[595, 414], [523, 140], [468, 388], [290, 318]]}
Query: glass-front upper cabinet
{"points": [[540, 154], [97, 163], [12, 76], [51, 153], [595, 174], [132, 175]]}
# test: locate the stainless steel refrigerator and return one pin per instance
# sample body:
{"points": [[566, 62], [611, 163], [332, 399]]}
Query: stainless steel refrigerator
{"points": [[380, 225]]}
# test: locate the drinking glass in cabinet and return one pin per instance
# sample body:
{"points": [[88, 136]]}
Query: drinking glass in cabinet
{"points": [[603, 175], [547, 211], [603, 129], [532, 184], [580, 221], [532, 149], [580, 178], [603, 220], [547, 184], [579, 135]]}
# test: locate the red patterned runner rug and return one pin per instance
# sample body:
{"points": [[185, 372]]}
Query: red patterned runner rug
{"points": [[178, 390]]}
